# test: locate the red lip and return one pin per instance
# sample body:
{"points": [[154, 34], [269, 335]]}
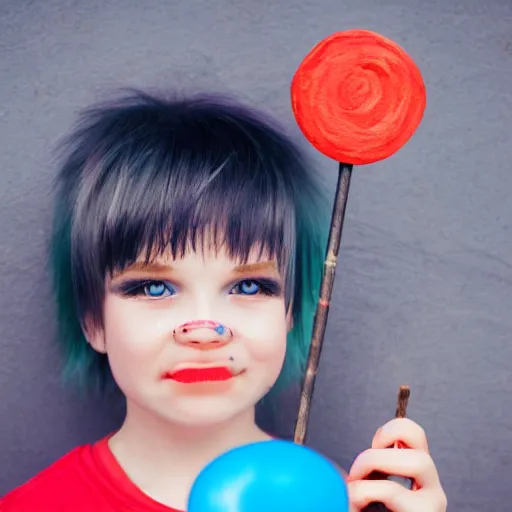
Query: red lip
{"points": [[193, 375]]}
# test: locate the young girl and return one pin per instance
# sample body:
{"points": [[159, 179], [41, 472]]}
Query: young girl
{"points": [[187, 252]]}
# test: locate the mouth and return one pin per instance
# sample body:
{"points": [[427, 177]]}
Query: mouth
{"points": [[194, 375]]}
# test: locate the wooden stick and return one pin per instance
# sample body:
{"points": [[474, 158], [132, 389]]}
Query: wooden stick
{"points": [[322, 310], [401, 409], [403, 399]]}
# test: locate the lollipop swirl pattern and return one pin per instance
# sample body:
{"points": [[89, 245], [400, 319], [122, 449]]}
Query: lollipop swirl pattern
{"points": [[358, 97]]}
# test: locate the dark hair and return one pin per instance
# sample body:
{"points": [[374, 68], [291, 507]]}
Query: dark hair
{"points": [[143, 175]]}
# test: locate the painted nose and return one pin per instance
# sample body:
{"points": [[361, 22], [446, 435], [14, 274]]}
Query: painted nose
{"points": [[204, 335]]}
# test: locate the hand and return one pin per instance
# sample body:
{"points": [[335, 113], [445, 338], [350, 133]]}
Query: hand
{"points": [[413, 462]]}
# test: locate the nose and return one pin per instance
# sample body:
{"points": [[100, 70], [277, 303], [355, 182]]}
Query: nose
{"points": [[203, 335]]}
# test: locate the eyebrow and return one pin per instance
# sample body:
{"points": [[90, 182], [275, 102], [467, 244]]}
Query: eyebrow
{"points": [[254, 267], [160, 267], [145, 267]]}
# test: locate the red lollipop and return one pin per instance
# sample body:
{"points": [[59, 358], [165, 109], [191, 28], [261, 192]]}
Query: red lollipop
{"points": [[358, 98]]}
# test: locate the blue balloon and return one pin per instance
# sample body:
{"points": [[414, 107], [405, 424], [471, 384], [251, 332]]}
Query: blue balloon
{"points": [[269, 476]]}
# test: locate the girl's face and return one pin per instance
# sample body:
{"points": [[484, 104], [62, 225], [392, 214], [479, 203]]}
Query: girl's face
{"points": [[192, 314]]}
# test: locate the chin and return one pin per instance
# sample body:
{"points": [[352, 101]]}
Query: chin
{"points": [[208, 410]]}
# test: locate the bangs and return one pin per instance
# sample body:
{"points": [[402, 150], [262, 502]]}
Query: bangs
{"points": [[193, 175], [145, 209]]}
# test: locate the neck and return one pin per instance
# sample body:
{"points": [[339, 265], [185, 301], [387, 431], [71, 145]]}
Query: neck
{"points": [[163, 459]]}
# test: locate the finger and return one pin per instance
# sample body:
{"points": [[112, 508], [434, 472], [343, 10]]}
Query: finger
{"points": [[414, 464], [397, 499], [401, 429]]}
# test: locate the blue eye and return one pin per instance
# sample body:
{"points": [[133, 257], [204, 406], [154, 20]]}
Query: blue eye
{"points": [[260, 286], [249, 287], [149, 289], [157, 289]]}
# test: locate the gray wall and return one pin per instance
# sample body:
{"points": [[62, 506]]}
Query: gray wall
{"points": [[424, 291]]}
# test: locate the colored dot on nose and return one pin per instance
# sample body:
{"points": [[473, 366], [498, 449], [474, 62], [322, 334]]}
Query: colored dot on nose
{"points": [[220, 329]]}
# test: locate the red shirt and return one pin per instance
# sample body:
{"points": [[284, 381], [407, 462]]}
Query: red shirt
{"points": [[87, 479]]}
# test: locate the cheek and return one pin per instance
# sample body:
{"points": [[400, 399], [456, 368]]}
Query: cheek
{"points": [[133, 331], [265, 335]]}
